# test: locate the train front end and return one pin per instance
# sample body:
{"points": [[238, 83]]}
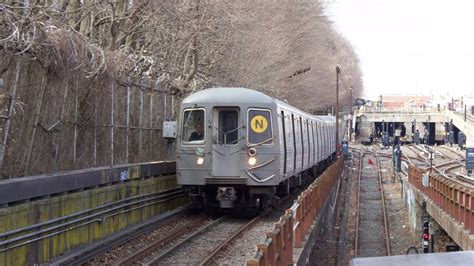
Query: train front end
{"points": [[226, 149]]}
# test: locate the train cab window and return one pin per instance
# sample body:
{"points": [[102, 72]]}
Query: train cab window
{"points": [[259, 127], [193, 126], [228, 127]]}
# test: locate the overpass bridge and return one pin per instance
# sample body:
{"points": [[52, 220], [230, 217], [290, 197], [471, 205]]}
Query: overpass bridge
{"points": [[369, 120]]}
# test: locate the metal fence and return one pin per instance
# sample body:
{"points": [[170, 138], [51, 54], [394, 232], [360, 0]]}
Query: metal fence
{"points": [[451, 196], [54, 123], [294, 225]]}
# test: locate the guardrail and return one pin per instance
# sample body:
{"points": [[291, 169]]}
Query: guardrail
{"points": [[290, 231], [451, 196], [26, 188]]}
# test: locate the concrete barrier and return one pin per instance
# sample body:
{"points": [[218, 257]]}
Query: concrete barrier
{"points": [[37, 230]]}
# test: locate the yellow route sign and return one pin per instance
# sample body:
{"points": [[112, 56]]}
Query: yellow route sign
{"points": [[259, 124]]}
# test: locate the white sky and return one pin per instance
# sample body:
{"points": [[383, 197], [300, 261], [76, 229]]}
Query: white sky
{"points": [[410, 47]]}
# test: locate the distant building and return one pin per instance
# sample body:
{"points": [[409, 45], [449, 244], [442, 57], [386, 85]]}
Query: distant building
{"points": [[392, 102]]}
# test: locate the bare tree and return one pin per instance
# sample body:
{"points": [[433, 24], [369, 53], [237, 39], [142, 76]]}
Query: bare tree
{"points": [[110, 72]]}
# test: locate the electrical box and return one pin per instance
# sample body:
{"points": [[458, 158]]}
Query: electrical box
{"points": [[345, 150], [416, 138], [451, 137], [461, 140], [470, 159], [170, 129], [385, 139], [425, 180]]}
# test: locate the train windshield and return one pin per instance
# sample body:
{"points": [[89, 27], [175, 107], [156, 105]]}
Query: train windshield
{"points": [[228, 126], [193, 126]]}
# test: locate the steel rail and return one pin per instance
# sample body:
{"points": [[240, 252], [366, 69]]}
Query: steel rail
{"points": [[94, 250], [136, 256], [356, 249], [209, 259], [156, 260], [387, 239]]}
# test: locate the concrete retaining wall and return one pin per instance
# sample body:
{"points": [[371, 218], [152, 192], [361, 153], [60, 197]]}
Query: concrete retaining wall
{"points": [[43, 247]]}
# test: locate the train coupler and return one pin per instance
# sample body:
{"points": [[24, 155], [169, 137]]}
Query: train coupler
{"points": [[226, 197]]}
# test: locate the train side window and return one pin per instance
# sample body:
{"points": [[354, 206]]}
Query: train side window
{"points": [[310, 142], [289, 131], [259, 126], [193, 131], [228, 126]]}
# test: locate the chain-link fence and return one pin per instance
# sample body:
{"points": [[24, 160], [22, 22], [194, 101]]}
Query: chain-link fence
{"points": [[51, 123]]}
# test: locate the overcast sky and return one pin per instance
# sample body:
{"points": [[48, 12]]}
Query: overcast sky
{"points": [[410, 46]]}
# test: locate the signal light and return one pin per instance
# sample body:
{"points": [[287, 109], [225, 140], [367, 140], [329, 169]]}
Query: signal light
{"points": [[426, 236]]}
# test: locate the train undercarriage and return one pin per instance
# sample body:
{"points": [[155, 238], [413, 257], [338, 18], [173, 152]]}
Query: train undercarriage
{"points": [[243, 199]]}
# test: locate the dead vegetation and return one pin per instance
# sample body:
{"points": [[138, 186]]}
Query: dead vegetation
{"points": [[89, 82]]}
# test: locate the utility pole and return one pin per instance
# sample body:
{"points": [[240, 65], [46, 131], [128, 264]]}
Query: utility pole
{"points": [[465, 112], [351, 112], [338, 70]]}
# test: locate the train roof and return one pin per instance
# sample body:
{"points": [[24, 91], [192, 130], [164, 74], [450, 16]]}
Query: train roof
{"points": [[228, 96], [236, 95], [327, 118], [322, 118]]}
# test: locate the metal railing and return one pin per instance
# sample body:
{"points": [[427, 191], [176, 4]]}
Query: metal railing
{"points": [[451, 196], [290, 231]]}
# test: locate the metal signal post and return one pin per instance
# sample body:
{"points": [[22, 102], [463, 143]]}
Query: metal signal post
{"points": [[338, 70], [425, 238]]}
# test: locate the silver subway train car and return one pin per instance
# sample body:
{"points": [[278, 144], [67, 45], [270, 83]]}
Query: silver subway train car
{"points": [[239, 148]]}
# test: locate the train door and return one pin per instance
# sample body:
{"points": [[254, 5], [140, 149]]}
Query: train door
{"points": [[302, 142], [283, 134], [318, 140], [326, 140], [295, 141], [225, 144], [289, 144], [310, 142]]}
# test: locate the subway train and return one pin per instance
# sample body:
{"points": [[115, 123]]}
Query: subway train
{"points": [[238, 148]]}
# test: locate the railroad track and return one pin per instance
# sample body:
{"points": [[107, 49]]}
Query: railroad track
{"points": [[201, 247], [416, 150], [371, 235], [446, 169], [451, 152], [417, 160], [140, 255]]}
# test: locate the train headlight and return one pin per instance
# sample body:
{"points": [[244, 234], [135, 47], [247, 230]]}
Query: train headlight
{"points": [[200, 161], [252, 161], [200, 152]]}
